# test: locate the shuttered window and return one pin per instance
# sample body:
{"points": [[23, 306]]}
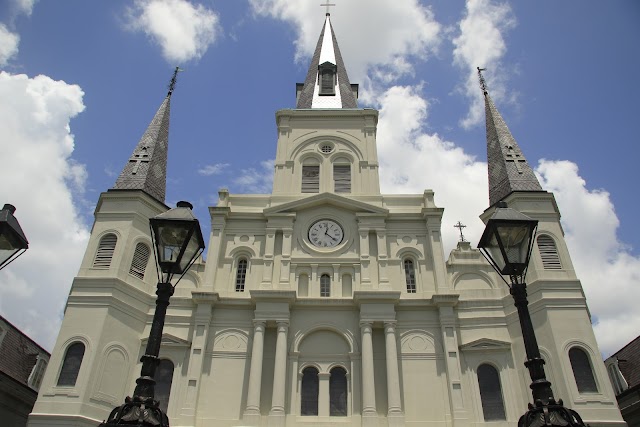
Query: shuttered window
{"points": [[490, 393], [140, 260], [548, 253], [71, 365], [106, 247], [309, 392], [342, 178], [338, 392], [582, 372], [327, 82], [310, 179], [410, 276], [241, 275], [325, 285]]}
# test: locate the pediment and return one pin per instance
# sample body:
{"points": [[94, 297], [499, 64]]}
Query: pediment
{"points": [[324, 199], [169, 340], [486, 344]]}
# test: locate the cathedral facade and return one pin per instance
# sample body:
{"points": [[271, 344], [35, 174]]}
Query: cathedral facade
{"points": [[324, 302]]}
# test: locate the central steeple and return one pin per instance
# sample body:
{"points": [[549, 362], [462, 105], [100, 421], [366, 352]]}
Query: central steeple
{"points": [[327, 83]]}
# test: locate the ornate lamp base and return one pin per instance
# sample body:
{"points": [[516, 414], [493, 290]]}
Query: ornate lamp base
{"points": [[550, 415], [137, 412]]}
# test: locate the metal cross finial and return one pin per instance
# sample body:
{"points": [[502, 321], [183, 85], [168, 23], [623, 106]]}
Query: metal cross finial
{"points": [[174, 79], [328, 5], [460, 226], [483, 83]]}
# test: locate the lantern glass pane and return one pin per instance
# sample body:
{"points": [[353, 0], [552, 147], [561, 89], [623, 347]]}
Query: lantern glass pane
{"points": [[192, 249], [493, 250], [170, 239], [515, 240]]}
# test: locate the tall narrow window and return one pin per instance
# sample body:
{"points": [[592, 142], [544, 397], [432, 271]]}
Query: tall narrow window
{"points": [[338, 393], [241, 274], [582, 371], [164, 378], [342, 178], [106, 247], [310, 178], [309, 392], [617, 379], [490, 393], [410, 276], [548, 253], [327, 78], [325, 285], [35, 378], [140, 260], [71, 365]]}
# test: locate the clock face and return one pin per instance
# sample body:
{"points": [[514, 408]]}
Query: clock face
{"points": [[325, 234]]}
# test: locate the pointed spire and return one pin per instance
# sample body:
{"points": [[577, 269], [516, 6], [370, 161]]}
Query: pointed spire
{"points": [[147, 168], [327, 84], [508, 168]]}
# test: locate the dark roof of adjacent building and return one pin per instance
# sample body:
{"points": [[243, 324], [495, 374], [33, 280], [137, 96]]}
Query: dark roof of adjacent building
{"points": [[18, 352], [629, 362], [346, 92], [146, 170], [509, 171]]}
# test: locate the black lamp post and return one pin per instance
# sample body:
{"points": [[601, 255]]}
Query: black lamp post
{"points": [[506, 243], [13, 242], [178, 242]]}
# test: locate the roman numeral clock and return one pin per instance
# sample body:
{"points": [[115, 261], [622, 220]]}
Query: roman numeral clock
{"points": [[325, 233]]}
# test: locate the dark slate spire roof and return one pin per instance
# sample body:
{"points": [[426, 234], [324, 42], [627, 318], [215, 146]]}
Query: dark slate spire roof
{"points": [[508, 168], [147, 168], [327, 51]]}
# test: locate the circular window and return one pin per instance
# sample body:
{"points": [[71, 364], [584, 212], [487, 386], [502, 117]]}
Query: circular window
{"points": [[326, 148]]}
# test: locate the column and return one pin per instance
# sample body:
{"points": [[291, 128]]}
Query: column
{"points": [[277, 413], [252, 411], [395, 414], [369, 412]]}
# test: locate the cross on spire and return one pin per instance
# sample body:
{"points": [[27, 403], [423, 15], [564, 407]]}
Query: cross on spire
{"points": [[483, 83], [516, 157], [174, 79], [460, 226], [328, 6], [138, 158]]}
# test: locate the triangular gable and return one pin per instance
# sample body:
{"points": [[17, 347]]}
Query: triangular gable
{"points": [[326, 199], [170, 341], [486, 344]]}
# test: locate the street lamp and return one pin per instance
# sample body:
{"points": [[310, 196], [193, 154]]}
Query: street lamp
{"points": [[13, 242], [178, 242], [506, 243]]}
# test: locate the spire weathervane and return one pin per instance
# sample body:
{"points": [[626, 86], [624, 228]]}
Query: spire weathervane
{"points": [[460, 226], [483, 83], [174, 79], [328, 6]]}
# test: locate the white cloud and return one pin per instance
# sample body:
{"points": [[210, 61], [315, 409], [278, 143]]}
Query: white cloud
{"points": [[481, 44], [388, 36], [8, 44], [214, 169], [24, 6], [37, 144], [184, 31], [610, 275], [259, 181]]}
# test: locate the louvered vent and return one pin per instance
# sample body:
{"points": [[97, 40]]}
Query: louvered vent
{"points": [[105, 251], [548, 253], [342, 178], [140, 260], [310, 179]]}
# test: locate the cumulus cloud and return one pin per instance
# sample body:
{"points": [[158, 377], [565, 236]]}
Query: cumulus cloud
{"points": [[256, 180], [603, 264], [480, 43], [8, 44], [24, 6], [215, 169], [37, 144], [393, 33], [183, 31]]}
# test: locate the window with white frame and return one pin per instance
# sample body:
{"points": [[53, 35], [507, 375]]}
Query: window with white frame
{"points": [[342, 178], [618, 381], [139, 261], [410, 276], [241, 274], [37, 373], [71, 365], [310, 178], [548, 252], [325, 285], [582, 371], [490, 393]]}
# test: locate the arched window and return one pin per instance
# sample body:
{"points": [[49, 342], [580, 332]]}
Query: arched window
{"points": [[490, 393], [617, 379], [548, 253], [309, 392], [139, 261], [106, 247], [310, 178], [338, 392], [325, 285], [241, 274], [410, 276], [342, 178], [71, 365], [582, 371], [164, 378]]}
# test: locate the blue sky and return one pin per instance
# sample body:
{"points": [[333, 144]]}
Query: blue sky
{"points": [[81, 80]]}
